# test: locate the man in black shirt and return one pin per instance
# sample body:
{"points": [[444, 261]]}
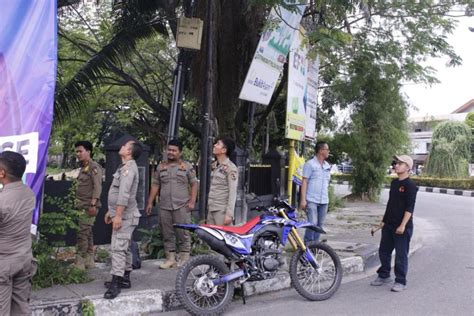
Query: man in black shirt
{"points": [[397, 226]]}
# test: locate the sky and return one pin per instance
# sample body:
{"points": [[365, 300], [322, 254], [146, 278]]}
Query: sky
{"points": [[457, 84]]}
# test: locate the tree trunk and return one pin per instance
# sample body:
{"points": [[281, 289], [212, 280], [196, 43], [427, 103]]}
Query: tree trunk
{"points": [[238, 28]]}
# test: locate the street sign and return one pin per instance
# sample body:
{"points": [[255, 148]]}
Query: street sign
{"points": [[189, 33], [270, 55]]}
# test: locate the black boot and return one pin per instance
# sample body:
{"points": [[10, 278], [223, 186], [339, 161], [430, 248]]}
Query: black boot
{"points": [[124, 282], [114, 288]]}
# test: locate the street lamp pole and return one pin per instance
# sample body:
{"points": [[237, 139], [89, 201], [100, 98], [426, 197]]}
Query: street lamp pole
{"points": [[206, 114]]}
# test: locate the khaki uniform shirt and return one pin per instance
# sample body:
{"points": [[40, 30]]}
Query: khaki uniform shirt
{"points": [[174, 181], [123, 190], [17, 203], [89, 184], [223, 191]]}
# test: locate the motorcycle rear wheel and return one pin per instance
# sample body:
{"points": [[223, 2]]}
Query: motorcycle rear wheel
{"points": [[195, 290], [308, 282]]}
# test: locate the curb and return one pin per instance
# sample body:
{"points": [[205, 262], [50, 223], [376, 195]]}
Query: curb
{"points": [[468, 193]]}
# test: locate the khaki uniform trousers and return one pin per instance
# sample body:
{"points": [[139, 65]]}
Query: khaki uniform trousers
{"points": [[120, 246], [85, 237], [216, 218], [167, 219], [15, 285]]}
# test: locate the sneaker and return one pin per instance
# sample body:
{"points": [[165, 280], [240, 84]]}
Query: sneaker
{"points": [[398, 287], [380, 281]]}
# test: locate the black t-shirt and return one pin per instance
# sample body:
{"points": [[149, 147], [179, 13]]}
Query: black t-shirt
{"points": [[402, 198]]}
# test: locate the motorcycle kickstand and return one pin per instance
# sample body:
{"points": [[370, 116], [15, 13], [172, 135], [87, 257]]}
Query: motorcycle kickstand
{"points": [[242, 289]]}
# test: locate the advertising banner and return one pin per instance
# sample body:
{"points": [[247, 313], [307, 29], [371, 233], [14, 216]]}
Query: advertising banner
{"points": [[28, 58], [297, 77], [296, 165], [311, 98], [270, 55]]}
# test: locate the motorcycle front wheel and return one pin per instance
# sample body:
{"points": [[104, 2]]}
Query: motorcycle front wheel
{"points": [[316, 284], [195, 289]]}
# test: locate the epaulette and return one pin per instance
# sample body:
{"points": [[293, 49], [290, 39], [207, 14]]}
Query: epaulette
{"points": [[125, 170], [163, 166]]}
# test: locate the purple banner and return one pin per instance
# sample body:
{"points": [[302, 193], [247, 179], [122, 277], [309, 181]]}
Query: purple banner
{"points": [[28, 58]]}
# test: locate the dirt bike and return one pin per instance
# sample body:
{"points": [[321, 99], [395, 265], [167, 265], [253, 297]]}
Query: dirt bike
{"points": [[253, 252]]}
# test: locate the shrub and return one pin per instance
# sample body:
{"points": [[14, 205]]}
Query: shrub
{"points": [[153, 246], [51, 271], [334, 201], [152, 242], [451, 151], [447, 183]]}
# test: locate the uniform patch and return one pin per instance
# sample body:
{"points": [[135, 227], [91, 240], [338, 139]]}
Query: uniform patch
{"points": [[401, 189], [125, 172], [233, 176], [95, 171]]}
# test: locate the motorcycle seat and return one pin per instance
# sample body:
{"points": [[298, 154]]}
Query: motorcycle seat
{"points": [[240, 230]]}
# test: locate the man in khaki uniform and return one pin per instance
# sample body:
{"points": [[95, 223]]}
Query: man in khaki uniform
{"points": [[224, 179], [124, 215], [176, 183], [89, 188], [17, 268]]}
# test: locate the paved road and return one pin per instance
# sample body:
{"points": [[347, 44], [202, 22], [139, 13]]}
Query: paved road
{"points": [[440, 279]]}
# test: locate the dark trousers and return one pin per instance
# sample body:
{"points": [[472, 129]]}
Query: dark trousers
{"points": [[401, 244]]}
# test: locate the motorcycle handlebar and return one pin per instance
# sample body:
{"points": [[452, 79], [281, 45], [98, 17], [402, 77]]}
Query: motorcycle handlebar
{"points": [[277, 202]]}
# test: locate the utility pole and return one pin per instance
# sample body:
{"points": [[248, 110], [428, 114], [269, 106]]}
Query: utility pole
{"points": [[177, 99], [206, 113]]}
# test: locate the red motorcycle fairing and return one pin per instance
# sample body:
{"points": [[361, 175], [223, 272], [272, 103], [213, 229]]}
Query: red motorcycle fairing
{"points": [[241, 230]]}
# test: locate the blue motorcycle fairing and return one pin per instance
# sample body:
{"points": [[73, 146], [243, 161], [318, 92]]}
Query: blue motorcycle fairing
{"points": [[190, 227], [291, 214], [309, 225]]}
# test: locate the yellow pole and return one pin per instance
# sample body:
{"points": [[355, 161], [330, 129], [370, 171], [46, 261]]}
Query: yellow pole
{"points": [[291, 165]]}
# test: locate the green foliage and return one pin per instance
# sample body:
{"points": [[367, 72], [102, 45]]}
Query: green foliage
{"points": [[51, 271], [58, 223], [451, 152], [198, 246], [334, 201], [102, 255], [122, 48], [446, 183], [339, 146], [339, 178], [152, 243], [379, 123], [470, 120], [87, 308]]}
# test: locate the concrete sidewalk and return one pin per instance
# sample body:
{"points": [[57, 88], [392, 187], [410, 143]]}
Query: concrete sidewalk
{"points": [[153, 290]]}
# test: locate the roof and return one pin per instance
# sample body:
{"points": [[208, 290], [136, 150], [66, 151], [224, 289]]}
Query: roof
{"points": [[439, 118], [465, 108]]}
